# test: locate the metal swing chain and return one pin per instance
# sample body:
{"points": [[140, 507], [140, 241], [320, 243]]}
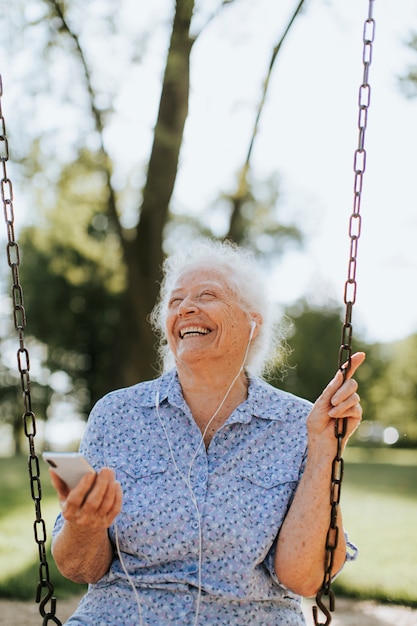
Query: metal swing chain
{"points": [[345, 350], [23, 362]]}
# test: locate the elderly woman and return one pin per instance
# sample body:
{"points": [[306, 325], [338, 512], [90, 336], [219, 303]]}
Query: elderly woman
{"points": [[224, 479]]}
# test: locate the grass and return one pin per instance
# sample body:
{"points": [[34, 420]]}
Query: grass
{"points": [[19, 556], [379, 501]]}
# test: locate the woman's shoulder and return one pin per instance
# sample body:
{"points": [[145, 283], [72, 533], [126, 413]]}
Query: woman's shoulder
{"points": [[272, 396], [139, 394]]}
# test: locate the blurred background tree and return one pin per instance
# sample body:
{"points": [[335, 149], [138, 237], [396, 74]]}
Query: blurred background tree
{"points": [[91, 281], [387, 380], [92, 252]]}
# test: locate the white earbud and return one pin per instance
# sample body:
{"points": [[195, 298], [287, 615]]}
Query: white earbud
{"points": [[252, 329]]}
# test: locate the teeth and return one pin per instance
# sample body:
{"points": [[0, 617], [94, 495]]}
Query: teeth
{"points": [[194, 331]]}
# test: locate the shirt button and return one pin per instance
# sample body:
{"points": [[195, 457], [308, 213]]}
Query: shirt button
{"points": [[195, 524], [188, 598], [267, 478], [201, 478]]}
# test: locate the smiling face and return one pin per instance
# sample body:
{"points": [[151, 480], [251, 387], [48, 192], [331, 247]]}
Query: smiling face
{"points": [[205, 322]]}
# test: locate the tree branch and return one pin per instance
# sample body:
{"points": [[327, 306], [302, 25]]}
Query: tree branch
{"points": [[99, 124], [240, 194]]}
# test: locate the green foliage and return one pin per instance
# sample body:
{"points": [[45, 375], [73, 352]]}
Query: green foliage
{"points": [[408, 82], [388, 388], [76, 231], [254, 221], [73, 279], [396, 397], [314, 343], [9, 385], [250, 217], [387, 380]]}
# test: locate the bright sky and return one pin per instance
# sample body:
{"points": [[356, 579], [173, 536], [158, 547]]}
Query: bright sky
{"points": [[308, 136]]}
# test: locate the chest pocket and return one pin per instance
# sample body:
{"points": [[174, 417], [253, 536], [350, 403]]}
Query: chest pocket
{"points": [[141, 482], [142, 469], [154, 520], [266, 492], [268, 477]]}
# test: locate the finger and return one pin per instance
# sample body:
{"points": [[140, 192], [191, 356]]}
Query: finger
{"points": [[109, 499], [99, 493], [339, 378], [80, 492], [104, 504], [112, 505], [355, 361], [346, 407], [71, 505], [346, 390], [59, 485], [115, 505], [90, 501]]}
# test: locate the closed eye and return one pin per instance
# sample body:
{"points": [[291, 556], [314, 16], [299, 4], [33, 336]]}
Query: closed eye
{"points": [[207, 295], [174, 302]]}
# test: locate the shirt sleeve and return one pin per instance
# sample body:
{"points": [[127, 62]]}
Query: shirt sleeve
{"points": [[269, 562], [351, 554]]}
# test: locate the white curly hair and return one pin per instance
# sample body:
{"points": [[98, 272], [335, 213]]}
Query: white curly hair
{"points": [[243, 275]]}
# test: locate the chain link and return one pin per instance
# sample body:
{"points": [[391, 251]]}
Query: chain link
{"points": [[345, 350], [45, 589]]}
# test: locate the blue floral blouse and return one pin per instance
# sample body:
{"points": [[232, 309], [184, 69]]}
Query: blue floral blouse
{"points": [[198, 528]]}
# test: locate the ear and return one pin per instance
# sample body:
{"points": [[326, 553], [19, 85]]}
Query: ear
{"points": [[255, 324]]}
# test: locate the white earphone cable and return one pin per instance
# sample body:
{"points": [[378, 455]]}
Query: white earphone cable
{"points": [[187, 479], [130, 581], [187, 482]]}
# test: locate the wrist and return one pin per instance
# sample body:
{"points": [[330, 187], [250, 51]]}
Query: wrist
{"points": [[320, 458]]}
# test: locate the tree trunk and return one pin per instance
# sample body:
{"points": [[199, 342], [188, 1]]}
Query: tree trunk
{"points": [[144, 255]]}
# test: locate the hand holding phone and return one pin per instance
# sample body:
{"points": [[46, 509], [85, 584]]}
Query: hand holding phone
{"points": [[69, 466], [102, 492]]}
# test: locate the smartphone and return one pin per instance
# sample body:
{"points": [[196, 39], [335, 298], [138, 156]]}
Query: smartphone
{"points": [[70, 466]]}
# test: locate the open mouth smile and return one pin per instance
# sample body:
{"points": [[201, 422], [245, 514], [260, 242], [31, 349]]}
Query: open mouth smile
{"points": [[194, 331]]}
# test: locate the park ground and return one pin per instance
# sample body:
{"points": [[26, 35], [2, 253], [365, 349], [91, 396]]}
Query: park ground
{"points": [[348, 613]]}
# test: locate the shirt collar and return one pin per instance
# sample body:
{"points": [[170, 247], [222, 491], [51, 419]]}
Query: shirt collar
{"points": [[263, 401]]}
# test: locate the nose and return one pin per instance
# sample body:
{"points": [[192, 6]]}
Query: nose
{"points": [[187, 306]]}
